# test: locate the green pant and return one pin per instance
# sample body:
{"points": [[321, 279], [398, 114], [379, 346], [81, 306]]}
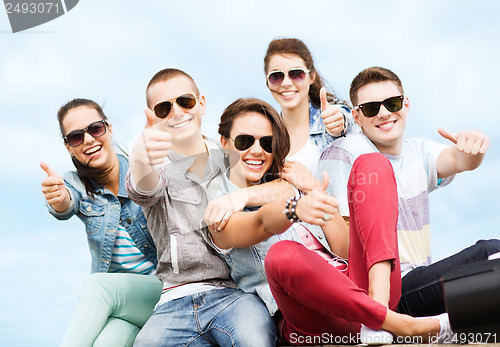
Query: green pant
{"points": [[112, 309]]}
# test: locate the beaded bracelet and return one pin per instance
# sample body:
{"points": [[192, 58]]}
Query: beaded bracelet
{"points": [[290, 209]]}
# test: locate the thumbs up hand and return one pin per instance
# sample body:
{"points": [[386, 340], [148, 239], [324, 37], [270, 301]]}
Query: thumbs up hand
{"points": [[333, 118], [153, 146], [150, 150], [317, 207], [54, 189], [472, 142]]}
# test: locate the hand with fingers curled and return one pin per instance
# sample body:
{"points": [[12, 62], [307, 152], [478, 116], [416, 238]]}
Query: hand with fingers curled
{"points": [[153, 146], [54, 189], [317, 206], [472, 142], [334, 119], [219, 210], [299, 176]]}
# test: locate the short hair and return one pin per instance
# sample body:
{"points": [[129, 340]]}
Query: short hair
{"points": [[281, 139], [167, 74], [372, 75]]}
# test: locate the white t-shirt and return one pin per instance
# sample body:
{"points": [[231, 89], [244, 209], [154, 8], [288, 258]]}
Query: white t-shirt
{"points": [[416, 176], [307, 156]]}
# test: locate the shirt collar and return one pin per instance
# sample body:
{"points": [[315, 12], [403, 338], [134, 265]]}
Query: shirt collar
{"points": [[217, 157]]}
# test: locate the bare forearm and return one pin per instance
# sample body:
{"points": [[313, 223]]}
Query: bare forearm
{"points": [[144, 177], [451, 161], [277, 190], [245, 229]]}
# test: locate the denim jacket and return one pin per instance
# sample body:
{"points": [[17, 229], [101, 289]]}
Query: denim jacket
{"points": [[102, 217], [247, 264], [317, 129]]}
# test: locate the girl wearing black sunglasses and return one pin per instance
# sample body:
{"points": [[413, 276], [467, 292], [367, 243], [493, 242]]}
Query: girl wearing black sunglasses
{"points": [[295, 84], [119, 297]]}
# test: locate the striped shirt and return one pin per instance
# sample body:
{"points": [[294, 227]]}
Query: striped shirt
{"points": [[126, 257], [416, 176]]}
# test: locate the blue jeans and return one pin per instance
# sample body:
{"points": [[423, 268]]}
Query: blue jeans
{"points": [[422, 290], [218, 317]]}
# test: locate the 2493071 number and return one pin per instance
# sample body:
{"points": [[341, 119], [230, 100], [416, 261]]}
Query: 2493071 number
{"points": [[32, 7]]}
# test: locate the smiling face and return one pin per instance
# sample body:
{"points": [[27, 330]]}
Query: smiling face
{"points": [[385, 129], [183, 124], [95, 152], [289, 94], [254, 162]]}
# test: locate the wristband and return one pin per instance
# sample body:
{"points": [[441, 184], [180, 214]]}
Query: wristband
{"points": [[290, 209], [342, 133]]}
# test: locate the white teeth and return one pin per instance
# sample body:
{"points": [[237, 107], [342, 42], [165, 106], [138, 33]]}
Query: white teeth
{"points": [[287, 93], [180, 125], [254, 162], [386, 125], [93, 150]]}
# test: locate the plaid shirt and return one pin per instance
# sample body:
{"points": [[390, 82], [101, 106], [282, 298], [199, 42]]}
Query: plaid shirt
{"points": [[174, 211]]}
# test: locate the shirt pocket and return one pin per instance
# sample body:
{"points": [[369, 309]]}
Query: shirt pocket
{"points": [[186, 194], [93, 216]]}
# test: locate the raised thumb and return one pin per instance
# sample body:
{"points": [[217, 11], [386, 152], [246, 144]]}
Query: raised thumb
{"points": [[47, 169], [323, 99], [150, 117]]}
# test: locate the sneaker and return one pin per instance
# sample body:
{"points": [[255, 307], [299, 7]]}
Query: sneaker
{"points": [[446, 335], [371, 336]]}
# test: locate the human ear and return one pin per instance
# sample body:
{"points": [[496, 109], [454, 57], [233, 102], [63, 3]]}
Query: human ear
{"points": [[224, 142], [312, 77], [356, 114], [203, 104]]}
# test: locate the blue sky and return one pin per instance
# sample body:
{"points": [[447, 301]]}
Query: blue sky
{"points": [[446, 53]]}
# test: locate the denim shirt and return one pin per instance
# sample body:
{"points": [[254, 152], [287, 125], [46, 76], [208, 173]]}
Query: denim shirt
{"points": [[102, 216], [247, 264], [317, 129]]}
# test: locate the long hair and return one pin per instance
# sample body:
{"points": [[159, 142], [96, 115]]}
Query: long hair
{"points": [[281, 139], [297, 47], [90, 176]]}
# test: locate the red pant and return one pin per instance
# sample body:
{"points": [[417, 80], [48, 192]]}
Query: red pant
{"points": [[314, 297]]}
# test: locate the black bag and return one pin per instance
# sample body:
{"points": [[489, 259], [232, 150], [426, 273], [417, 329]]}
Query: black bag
{"points": [[472, 299]]}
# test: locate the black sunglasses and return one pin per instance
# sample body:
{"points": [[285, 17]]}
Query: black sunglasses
{"points": [[392, 104], [76, 137], [296, 75], [244, 142], [163, 109]]}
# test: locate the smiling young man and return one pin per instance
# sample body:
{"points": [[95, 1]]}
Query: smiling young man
{"points": [[174, 172], [420, 166]]}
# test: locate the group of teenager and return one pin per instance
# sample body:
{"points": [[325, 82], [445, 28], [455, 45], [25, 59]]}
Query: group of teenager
{"points": [[299, 224]]}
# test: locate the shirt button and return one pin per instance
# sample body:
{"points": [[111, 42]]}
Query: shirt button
{"points": [[89, 209], [146, 246], [128, 221], [320, 236]]}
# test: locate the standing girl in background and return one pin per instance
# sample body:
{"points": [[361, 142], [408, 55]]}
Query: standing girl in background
{"points": [[300, 91]]}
